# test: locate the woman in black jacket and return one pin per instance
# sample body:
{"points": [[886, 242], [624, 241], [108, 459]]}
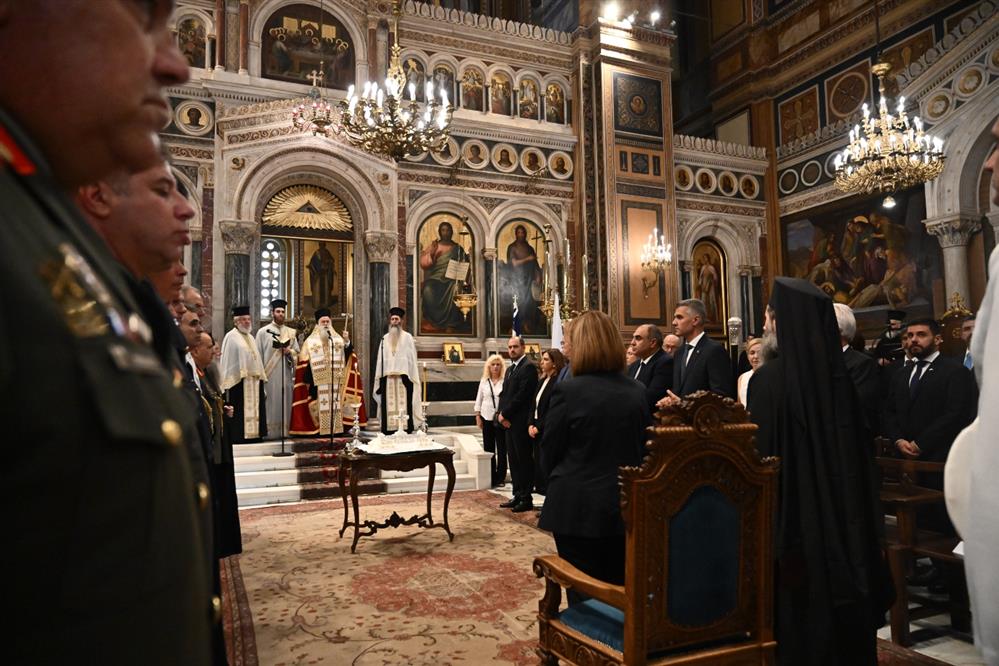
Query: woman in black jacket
{"points": [[552, 362], [595, 424]]}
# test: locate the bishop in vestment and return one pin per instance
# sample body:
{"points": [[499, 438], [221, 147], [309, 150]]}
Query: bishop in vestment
{"points": [[243, 379], [397, 376], [278, 348], [321, 380]]}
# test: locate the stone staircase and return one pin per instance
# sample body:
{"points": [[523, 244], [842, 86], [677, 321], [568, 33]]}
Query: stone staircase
{"points": [[310, 473]]}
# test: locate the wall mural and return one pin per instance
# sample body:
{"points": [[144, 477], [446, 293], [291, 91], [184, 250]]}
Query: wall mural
{"points": [[191, 37], [472, 84], [708, 282], [295, 41], [866, 256], [500, 94], [522, 261], [444, 80], [638, 103], [554, 104], [445, 246]]}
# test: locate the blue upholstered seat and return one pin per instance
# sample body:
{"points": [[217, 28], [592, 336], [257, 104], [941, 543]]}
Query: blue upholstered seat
{"points": [[598, 621]]}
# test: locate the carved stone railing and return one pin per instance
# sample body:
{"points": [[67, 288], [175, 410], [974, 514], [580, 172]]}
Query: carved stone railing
{"points": [[968, 24], [491, 23], [684, 142]]}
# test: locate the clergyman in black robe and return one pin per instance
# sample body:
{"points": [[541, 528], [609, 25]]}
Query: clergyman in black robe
{"points": [[832, 583]]}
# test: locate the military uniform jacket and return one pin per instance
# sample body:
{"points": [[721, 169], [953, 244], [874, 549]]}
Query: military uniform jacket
{"points": [[103, 555]]}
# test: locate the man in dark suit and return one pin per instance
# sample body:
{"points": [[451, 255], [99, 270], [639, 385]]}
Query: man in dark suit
{"points": [[653, 367], [928, 405], [700, 364], [516, 403], [862, 368]]}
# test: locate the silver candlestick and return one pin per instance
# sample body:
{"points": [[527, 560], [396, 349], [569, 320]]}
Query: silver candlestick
{"points": [[355, 430], [424, 426]]}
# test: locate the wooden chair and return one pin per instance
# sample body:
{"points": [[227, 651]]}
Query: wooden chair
{"points": [[902, 496], [699, 518]]}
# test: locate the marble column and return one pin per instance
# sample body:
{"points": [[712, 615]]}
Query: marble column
{"points": [[244, 35], [489, 290], [220, 34], [686, 267], [238, 240], [380, 246], [993, 220], [746, 298], [953, 233]]}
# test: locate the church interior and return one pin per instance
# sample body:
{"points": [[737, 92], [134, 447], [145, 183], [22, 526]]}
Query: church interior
{"points": [[577, 155]]}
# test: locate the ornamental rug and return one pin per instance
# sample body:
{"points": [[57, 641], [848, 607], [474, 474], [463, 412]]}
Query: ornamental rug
{"points": [[297, 595]]}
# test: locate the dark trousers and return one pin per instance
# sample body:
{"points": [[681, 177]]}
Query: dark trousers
{"points": [[600, 557], [540, 478], [494, 441], [521, 450]]}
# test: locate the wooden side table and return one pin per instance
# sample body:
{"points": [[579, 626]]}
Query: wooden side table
{"points": [[353, 464]]}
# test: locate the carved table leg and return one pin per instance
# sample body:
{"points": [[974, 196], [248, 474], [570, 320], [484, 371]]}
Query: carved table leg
{"points": [[353, 498], [340, 474], [899, 614], [430, 491], [449, 467]]}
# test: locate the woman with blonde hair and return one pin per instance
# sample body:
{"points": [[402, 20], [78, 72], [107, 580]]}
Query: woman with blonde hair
{"points": [[754, 354], [595, 424], [493, 436]]}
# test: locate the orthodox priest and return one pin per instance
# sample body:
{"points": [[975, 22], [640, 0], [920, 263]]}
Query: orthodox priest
{"points": [[243, 379], [321, 380], [832, 586], [397, 378], [278, 348]]}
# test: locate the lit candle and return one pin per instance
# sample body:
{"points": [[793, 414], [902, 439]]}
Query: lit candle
{"points": [[424, 381]]}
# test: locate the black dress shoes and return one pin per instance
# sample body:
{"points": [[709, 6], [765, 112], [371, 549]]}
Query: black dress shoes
{"points": [[522, 507], [511, 504]]}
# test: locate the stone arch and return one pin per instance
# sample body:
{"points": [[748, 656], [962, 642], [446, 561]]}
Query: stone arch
{"points": [[513, 209], [560, 80], [192, 12], [358, 34], [740, 245], [449, 202], [967, 142]]}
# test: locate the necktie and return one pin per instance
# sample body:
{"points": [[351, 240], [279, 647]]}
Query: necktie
{"points": [[641, 365], [968, 363], [916, 376], [683, 359]]}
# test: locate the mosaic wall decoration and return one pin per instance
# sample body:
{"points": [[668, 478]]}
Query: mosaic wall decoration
{"points": [[799, 116], [638, 105]]}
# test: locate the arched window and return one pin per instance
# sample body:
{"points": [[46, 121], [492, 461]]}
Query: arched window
{"points": [[274, 273]]}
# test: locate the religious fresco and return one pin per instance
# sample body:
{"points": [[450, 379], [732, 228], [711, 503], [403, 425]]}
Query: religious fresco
{"points": [[416, 76], [638, 105], [323, 269], [191, 39], [472, 85], [554, 104], [528, 104], [295, 42], [521, 264], [443, 78], [500, 94], [865, 255], [799, 116], [444, 269], [708, 281]]}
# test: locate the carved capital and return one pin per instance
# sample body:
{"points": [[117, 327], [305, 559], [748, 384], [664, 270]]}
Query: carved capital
{"points": [[687, 266], [953, 230], [490, 253], [380, 246], [238, 236]]}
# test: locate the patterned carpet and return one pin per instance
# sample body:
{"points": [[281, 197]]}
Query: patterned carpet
{"points": [[298, 596]]}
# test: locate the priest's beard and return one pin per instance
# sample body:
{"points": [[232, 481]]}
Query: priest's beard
{"points": [[243, 328], [393, 337], [768, 348]]}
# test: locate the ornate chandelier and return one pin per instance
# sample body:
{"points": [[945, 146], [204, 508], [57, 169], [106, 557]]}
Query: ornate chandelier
{"points": [[886, 153], [317, 116], [381, 121], [656, 257]]}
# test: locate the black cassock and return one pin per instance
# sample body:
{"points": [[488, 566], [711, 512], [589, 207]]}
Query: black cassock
{"points": [[832, 584], [234, 397]]}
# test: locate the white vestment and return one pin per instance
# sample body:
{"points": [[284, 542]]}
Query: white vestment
{"points": [[241, 361], [393, 363], [278, 410], [973, 471]]}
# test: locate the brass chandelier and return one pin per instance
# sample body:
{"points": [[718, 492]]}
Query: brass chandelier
{"points": [[886, 153], [381, 121]]}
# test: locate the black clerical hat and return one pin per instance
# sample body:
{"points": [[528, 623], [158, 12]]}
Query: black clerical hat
{"points": [[397, 311], [279, 303], [240, 310], [897, 315], [323, 312]]}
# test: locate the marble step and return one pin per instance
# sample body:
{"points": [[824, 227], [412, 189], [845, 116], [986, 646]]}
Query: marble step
{"points": [[262, 478], [309, 491]]}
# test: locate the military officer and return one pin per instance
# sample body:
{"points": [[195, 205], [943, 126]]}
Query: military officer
{"points": [[105, 557]]}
